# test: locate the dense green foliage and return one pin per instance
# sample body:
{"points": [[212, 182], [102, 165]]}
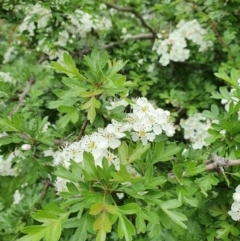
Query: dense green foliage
{"points": [[72, 71]]}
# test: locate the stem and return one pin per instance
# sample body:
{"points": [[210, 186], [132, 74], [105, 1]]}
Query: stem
{"points": [[45, 189], [26, 89], [137, 15], [84, 125]]}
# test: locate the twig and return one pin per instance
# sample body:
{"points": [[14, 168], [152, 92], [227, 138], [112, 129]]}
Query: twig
{"points": [[61, 142], [26, 89], [140, 36], [212, 24], [137, 15], [22, 96], [84, 125], [45, 189], [215, 163]]}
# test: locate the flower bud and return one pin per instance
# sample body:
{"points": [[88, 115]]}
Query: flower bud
{"points": [[26, 147]]}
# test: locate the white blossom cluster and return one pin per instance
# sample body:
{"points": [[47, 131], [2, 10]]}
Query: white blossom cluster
{"points": [[143, 123], [196, 129], [35, 14], [174, 46], [78, 24], [6, 77], [6, 166], [9, 55], [235, 208]]}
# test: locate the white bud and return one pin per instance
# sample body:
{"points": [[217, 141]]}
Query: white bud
{"points": [[26, 147]]}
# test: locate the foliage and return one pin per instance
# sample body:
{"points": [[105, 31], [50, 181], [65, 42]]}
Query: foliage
{"points": [[119, 121]]}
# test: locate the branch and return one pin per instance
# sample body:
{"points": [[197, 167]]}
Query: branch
{"points": [[229, 163], [61, 142], [22, 96], [215, 163], [137, 15], [26, 89], [140, 36], [212, 24], [45, 189], [84, 125]]}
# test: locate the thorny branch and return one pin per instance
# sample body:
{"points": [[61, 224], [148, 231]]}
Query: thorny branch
{"points": [[137, 15]]}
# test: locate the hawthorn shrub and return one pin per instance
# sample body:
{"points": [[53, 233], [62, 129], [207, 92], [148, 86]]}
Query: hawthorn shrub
{"points": [[119, 120]]}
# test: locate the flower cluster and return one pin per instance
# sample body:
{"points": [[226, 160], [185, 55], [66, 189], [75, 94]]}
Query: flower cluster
{"points": [[6, 166], [235, 208], [35, 13], [6, 77], [196, 129], [173, 47], [78, 24], [143, 123]]}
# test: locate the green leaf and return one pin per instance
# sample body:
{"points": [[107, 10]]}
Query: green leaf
{"points": [[96, 208], [123, 153], [52, 218], [64, 120], [89, 170], [170, 204], [103, 226], [129, 208], [225, 230], [162, 154], [222, 75], [176, 217], [138, 151], [7, 125], [125, 228], [65, 173], [192, 169], [205, 183], [91, 114]]}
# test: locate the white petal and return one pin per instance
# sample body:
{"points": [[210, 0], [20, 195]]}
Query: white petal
{"points": [[236, 197], [135, 136], [114, 143]]}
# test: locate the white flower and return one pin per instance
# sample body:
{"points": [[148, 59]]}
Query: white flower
{"points": [[196, 129], [113, 159], [96, 145], [6, 77], [132, 171], [118, 128], [142, 107], [236, 195], [120, 195], [17, 197], [117, 103], [235, 211], [142, 130], [113, 141], [6, 165], [151, 68], [61, 185]]}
